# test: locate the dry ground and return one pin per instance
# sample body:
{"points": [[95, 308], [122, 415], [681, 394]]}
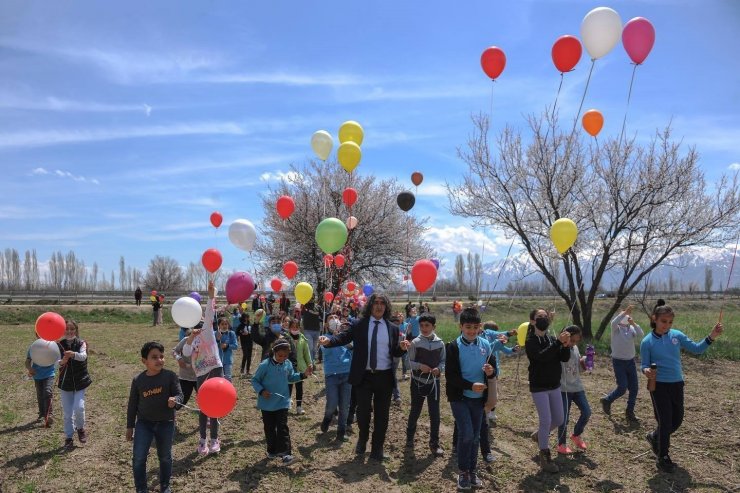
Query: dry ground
{"points": [[31, 458]]}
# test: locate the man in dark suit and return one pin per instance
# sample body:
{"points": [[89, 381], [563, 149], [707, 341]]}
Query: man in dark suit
{"points": [[375, 343]]}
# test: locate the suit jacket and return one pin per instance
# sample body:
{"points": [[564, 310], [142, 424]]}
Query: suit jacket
{"points": [[357, 334]]}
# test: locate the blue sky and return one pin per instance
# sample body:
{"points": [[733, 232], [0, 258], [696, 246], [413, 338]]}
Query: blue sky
{"points": [[125, 124]]}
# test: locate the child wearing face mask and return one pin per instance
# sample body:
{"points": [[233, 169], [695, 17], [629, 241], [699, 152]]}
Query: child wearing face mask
{"points": [[663, 346], [226, 339], [275, 330], [271, 381], [545, 353], [73, 381], [303, 361], [337, 361], [572, 392]]}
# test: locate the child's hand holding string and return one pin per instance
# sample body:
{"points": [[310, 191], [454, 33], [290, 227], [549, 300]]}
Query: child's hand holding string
{"points": [[479, 387], [266, 394], [129, 434], [171, 402], [716, 331]]}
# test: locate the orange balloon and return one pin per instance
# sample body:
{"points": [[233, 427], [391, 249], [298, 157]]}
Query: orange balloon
{"points": [[592, 121], [417, 178]]}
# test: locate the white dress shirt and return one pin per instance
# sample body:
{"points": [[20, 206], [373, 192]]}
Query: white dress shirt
{"points": [[384, 358]]}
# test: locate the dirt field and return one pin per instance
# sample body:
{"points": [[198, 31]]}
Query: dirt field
{"points": [[706, 448]]}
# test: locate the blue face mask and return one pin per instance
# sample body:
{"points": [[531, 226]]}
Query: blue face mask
{"points": [[275, 328]]}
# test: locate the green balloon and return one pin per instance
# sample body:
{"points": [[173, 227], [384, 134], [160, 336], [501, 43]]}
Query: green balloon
{"points": [[331, 235]]}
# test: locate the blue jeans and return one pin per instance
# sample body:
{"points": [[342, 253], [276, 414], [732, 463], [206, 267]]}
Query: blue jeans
{"points": [[626, 374], [338, 393], [73, 404], [227, 371], [313, 342], [146, 431], [579, 399], [468, 415]]}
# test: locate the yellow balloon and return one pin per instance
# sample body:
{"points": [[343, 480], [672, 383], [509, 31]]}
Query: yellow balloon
{"points": [[303, 292], [521, 334], [351, 131], [152, 298], [563, 234], [244, 306], [349, 155]]}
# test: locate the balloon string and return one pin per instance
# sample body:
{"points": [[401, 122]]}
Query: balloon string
{"points": [[583, 98], [190, 408], [629, 96], [490, 111], [482, 254], [729, 276], [408, 271], [554, 107]]}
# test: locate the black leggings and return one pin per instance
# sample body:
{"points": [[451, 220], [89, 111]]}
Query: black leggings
{"points": [[246, 343], [298, 392], [187, 387], [668, 407]]}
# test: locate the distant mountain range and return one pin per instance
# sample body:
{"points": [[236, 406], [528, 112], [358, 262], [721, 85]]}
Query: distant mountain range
{"points": [[684, 272]]}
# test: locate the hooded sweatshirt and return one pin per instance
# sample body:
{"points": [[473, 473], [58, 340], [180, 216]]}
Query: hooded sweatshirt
{"points": [[623, 337], [426, 350]]}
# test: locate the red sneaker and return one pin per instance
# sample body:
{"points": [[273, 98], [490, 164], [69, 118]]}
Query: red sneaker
{"points": [[579, 443]]}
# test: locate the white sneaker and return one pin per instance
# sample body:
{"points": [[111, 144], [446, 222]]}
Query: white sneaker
{"points": [[492, 416], [215, 446], [299, 410]]}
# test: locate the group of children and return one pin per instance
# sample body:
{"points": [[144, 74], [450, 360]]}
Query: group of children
{"points": [[469, 363]]}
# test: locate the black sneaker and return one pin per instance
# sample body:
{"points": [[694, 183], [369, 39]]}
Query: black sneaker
{"points": [[606, 406], [653, 441], [325, 425], [475, 481], [463, 483], [665, 464], [69, 444], [437, 451], [630, 415]]}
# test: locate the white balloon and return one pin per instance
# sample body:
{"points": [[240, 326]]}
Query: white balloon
{"points": [[242, 234], [186, 312], [601, 30], [351, 222], [45, 353], [321, 143]]}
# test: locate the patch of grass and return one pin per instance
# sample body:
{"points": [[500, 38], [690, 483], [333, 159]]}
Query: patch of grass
{"points": [[28, 487]]}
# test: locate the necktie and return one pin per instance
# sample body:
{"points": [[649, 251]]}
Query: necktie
{"points": [[374, 346]]}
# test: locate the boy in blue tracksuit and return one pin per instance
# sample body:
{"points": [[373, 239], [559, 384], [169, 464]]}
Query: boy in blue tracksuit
{"points": [[337, 362], [226, 339], [270, 381], [43, 379], [663, 346], [470, 365]]}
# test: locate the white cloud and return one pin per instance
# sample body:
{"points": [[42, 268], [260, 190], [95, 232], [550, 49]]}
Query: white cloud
{"points": [[52, 103], [734, 166], [39, 138], [463, 239], [279, 176], [431, 189], [64, 174], [280, 78]]}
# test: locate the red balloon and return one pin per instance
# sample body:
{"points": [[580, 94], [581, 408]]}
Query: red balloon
{"points": [[351, 286], [423, 275], [285, 206], [154, 292], [216, 397], [339, 260], [349, 196], [493, 61], [276, 284], [50, 326], [216, 219], [328, 296], [290, 269], [328, 259], [212, 260], [566, 53], [417, 178]]}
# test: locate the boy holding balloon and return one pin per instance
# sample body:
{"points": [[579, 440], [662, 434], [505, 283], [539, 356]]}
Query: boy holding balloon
{"points": [[43, 377], [151, 415]]}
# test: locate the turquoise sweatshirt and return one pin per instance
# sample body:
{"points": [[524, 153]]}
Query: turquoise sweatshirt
{"points": [[274, 378], [665, 351]]}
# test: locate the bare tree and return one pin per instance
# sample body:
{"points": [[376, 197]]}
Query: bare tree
{"points": [[477, 272], [122, 273], [112, 280], [471, 280], [27, 271], [196, 276], [634, 205], [94, 276], [708, 280], [671, 282], [384, 244], [14, 262], [35, 279], [164, 274], [460, 272]]}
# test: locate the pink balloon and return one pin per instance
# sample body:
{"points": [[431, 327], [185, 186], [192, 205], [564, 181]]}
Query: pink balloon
{"points": [[638, 37], [239, 287]]}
